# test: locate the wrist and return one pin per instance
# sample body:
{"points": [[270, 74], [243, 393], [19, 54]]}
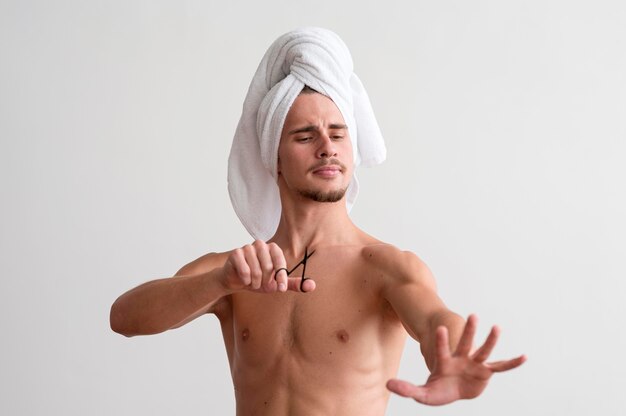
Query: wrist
{"points": [[216, 282]]}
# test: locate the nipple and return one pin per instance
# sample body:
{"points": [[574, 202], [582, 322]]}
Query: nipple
{"points": [[343, 336]]}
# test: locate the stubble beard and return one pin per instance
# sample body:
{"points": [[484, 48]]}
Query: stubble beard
{"points": [[319, 196], [330, 196]]}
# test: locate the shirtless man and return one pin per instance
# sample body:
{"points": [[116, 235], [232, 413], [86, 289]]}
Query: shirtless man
{"points": [[330, 344]]}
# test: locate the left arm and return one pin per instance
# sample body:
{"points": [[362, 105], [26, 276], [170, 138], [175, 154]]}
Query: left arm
{"points": [[411, 290], [445, 338]]}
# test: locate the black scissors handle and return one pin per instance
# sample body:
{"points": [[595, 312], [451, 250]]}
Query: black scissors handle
{"points": [[302, 262]]}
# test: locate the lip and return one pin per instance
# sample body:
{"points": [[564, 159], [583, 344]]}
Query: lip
{"points": [[329, 171]]}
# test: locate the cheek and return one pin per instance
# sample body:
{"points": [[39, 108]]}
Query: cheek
{"points": [[348, 154], [291, 157], [346, 146], [287, 164]]}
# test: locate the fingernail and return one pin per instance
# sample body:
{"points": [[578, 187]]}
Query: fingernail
{"points": [[282, 287]]}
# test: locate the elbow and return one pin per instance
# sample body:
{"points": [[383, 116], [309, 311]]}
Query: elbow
{"points": [[123, 319], [118, 322]]}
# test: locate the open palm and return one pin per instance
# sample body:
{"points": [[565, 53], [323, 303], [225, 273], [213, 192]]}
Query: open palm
{"points": [[458, 375]]}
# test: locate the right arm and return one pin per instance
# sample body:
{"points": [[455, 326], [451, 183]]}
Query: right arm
{"points": [[202, 286], [163, 304]]}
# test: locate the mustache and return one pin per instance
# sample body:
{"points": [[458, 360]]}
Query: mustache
{"points": [[329, 162]]}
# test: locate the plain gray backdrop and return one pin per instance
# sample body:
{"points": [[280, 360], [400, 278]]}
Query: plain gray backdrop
{"points": [[506, 134]]}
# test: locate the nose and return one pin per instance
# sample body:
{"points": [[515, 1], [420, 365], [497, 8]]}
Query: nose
{"points": [[327, 147]]}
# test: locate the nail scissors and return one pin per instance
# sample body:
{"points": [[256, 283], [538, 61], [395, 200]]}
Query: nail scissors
{"points": [[302, 262]]}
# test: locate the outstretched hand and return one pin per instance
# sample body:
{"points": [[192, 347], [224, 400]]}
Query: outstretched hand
{"points": [[458, 375]]}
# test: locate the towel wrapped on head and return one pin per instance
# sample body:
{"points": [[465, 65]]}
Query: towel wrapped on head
{"points": [[312, 57]]}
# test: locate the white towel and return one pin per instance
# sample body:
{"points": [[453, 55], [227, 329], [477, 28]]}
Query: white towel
{"points": [[314, 57]]}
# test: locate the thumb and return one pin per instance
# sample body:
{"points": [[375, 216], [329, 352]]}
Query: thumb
{"points": [[406, 389], [294, 283]]}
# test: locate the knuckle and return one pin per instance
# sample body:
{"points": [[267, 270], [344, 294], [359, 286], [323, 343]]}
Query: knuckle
{"points": [[255, 282], [243, 271], [268, 268], [256, 273], [244, 276]]}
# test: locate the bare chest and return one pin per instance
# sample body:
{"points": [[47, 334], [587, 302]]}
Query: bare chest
{"points": [[345, 315]]}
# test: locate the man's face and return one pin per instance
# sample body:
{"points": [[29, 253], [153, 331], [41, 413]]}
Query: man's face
{"points": [[315, 152]]}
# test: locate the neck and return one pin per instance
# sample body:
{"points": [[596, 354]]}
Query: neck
{"points": [[306, 223]]}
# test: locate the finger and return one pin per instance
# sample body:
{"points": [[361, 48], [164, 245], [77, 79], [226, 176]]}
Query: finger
{"points": [[467, 338], [500, 366], [256, 274], [268, 284], [279, 262], [241, 267], [442, 344], [406, 389], [485, 350], [294, 284]]}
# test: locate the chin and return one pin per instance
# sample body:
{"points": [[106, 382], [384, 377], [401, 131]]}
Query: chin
{"points": [[324, 196]]}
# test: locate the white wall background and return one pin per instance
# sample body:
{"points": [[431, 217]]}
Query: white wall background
{"points": [[505, 124]]}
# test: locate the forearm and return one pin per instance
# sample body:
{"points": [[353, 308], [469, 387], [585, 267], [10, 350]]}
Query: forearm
{"points": [[453, 322], [163, 304]]}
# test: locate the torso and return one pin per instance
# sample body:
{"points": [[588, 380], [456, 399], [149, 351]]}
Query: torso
{"points": [[330, 351]]}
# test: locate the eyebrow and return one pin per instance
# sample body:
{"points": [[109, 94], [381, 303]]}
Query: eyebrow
{"points": [[334, 126]]}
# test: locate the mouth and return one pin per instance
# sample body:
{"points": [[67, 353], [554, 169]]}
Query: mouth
{"points": [[327, 171]]}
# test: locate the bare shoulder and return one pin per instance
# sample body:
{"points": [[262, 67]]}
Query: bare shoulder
{"points": [[398, 267], [203, 264]]}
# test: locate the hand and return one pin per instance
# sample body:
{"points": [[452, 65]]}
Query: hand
{"points": [[253, 267], [460, 375]]}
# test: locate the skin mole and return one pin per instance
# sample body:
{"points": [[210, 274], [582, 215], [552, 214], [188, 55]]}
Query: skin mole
{"points": [[245, 334]]}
